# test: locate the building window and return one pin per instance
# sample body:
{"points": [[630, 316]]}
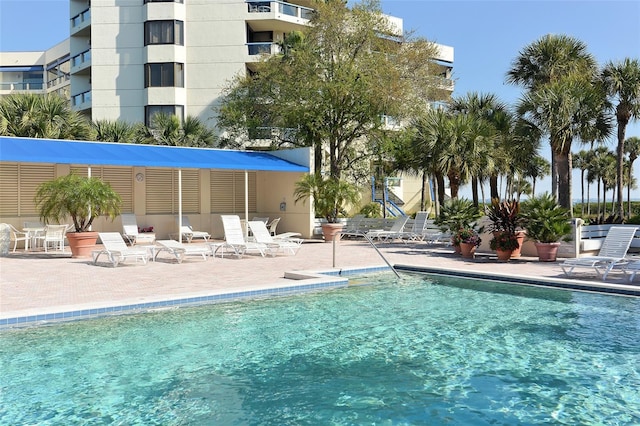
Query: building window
{"points": [[167, 74], [164, 32], [151, 110]]}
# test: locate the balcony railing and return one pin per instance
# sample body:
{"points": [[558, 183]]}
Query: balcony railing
{"points": [[81, 58], [57, 81], [82, 98], [268, 47], [282, 7], [24, 86], [81, 18]]}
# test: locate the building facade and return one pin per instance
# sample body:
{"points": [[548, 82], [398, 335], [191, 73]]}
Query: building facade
{"points": [[129, 59]]}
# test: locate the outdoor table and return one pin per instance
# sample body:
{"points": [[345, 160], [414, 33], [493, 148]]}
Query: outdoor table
{"points": [[32, 233]]}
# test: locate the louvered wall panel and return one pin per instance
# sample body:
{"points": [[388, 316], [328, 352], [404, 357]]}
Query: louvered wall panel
{"points": [[121, 180], [32, 176], [221, 191], [190, 191], [8, 189], [159, 189]]}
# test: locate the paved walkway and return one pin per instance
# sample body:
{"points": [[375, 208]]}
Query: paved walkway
{"points": [[35, 283]]}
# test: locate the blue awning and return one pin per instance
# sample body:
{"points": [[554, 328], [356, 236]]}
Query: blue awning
{"points": [[22, 69], [122, 154]]}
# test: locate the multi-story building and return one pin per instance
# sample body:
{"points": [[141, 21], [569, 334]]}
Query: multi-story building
{"points": [[128, 59]]}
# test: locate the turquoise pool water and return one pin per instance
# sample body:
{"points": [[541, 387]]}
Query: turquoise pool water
{"points": [[418, 351]]}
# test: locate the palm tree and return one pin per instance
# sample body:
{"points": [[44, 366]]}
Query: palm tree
{"points": [[166, 129], [580, 161], [115, 131], [622, 84], [41, 116], [569, 108], [547, 61], [631, 147]]}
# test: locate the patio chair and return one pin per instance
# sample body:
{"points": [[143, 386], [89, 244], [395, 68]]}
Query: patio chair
{"points": [[352, 228], [631, 269], [130, 231], [189, 233], [234, 238], [271, 226], [261, 219], [53, 235], [417, 232], [19, 236], [35, 231], [180, 251], [262, 236], [117, 250], [612, 253], [396, 230]]}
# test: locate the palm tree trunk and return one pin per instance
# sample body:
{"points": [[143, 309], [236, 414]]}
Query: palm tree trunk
{"points": [[563, 164], [582, 191], [621, 131], [474, 190]]}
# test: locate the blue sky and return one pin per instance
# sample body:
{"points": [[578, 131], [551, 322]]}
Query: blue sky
{"points": [[486, 35]]}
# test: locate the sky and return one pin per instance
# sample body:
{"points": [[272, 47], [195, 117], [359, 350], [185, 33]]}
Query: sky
{"points": [[486, 35]]}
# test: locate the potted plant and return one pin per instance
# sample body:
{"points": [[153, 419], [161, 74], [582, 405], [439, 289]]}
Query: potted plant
{"points": [[504, 217], [81, 198], [504, 243], [456, 214], [468, 240], [547, 223], [330, 196]]}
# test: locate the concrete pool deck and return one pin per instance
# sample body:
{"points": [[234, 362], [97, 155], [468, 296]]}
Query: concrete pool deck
{"points": [[37, 286]]}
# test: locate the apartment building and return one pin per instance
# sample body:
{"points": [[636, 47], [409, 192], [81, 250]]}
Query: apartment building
{"points": [[128, 59]]}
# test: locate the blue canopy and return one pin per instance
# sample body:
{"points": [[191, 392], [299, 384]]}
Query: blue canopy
{"points": [[123, 154]]}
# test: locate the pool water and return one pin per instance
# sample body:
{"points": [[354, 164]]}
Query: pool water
{"points": [[422, 350]]}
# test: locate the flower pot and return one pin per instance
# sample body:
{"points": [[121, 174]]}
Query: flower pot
{"points": [[82, 243], [547, 252], [457, 249], [467, 250], [331, 231], [504, 255], [520, 236]]}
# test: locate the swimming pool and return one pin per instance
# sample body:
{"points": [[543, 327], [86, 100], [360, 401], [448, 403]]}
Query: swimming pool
{"points": [[423, 350]]}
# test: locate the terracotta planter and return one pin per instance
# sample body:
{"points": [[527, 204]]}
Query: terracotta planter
{"points": [[520, 235], [331, 231], [457, 249], [547, 252], [467, 250], [82, 243], [504, 255]]}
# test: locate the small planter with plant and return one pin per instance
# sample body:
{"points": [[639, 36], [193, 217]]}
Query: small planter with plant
{"points": [[83, 199], [506, 226], [547, 223], [455, 215], [468, 239], [330, 197]]}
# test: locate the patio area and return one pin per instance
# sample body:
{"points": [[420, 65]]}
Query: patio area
{"points": [[35, 284]]}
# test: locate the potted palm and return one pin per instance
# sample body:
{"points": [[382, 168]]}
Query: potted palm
{"points": [[330, 197], [81, 198], [506, 226], [455, 215], [547, 223]]}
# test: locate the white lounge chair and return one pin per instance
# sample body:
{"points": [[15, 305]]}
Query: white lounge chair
{"points": [[396, 230], [417, 229], [262, 236], [234, 238], [117, 250], [189, 233], [612, 253], [273, 225], [180, 251], [130, 231], [631, 269], [353, 226]]}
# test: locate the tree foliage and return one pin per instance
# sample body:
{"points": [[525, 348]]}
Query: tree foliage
{"points": [[331, 85]]}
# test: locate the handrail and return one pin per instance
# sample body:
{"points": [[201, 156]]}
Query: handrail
{"points": [[368, 238]]}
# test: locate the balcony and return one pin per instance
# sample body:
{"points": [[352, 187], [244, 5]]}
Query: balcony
{"points": [[57, 81], [81, 61], [277, 15], [262, 48], [81, 101], [21, 87], [81, 22]]}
